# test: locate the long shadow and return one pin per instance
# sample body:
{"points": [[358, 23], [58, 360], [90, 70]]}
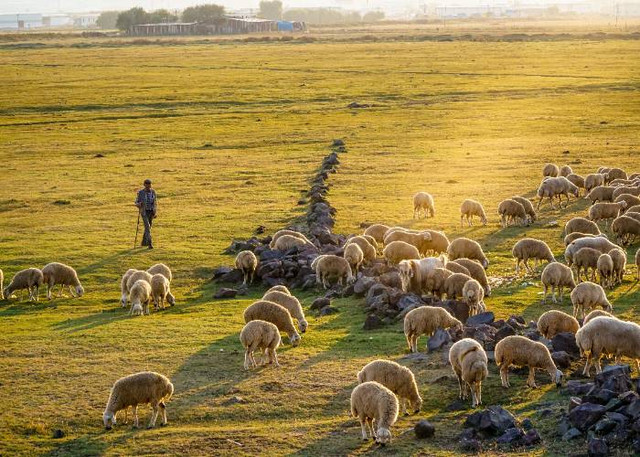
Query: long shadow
{"points": [[104, 261], [10, 308], [94, 320], [96, 443]]}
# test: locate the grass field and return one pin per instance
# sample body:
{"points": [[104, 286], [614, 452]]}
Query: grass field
{"points": [[230, 134]]}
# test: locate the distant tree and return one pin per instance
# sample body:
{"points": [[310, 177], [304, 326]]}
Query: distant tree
{"points": [[107, 19], [162, 16], [129, 18], [203, 13], [271, 10], [373, 16], [321, 16]]}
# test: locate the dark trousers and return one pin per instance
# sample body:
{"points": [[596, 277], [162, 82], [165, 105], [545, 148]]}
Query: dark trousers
{"points": [[147, 218]]}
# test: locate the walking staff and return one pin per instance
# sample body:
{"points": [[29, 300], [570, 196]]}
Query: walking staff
{"points": [[146, 202]]}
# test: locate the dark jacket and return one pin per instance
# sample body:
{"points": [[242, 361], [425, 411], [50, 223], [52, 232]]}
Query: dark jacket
{"points": [[147, 201]]}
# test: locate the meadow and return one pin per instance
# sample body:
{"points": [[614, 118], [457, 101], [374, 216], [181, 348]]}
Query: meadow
{"points": [[230, 133]]}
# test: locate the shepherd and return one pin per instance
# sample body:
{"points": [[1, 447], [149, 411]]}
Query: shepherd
{"points": [[146, 202]]}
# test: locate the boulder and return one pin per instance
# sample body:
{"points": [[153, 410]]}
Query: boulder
{"points": [[561, 359], [504, 331], [328, 310], [578, 388], [439, 339], [458, 309], [271, 254], [512, 436], [372, 322], [483, 318], [597, 447], [566, 342], [220, 271], [531, 437], [362, 285], [571, 434], [224, 292], [585, 415], [424, 429], [409, 300], [616, 378], [233, 276], [493, 421], [320, 303]]}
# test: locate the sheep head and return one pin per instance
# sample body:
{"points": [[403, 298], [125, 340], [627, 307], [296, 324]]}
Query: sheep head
{"points": [[383, 436], [294, 340]]}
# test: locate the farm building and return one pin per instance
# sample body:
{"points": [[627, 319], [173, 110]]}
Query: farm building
{"points": [[20, 21], [177, 28], [222, 26]]}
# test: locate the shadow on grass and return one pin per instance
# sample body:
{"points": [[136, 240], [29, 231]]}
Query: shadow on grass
{"points": [[91, 321], [105, 261]]}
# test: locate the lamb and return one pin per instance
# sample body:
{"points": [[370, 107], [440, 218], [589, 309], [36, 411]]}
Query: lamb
{"points": [[588, 295], [368, 251], [608, 335], [471, 208], [398, 379], [630, 200], [466, 248], [247, 262], [553, 322], [619, 258], [372, 401], [436, 280], [397, 251], [600, 194], [377, 231], [595, 313], [292, 304], [332, 266], [635, 191], [354, 255], [140, 295], [592, 181], [473, 295], [279, 288], [565, 171], [605, 270], [414, 273], [556, 275], [285, 232], [469, 363], [586, 258], [59, 273], [136, 389], [600, 243], [124, 288], [582, 225], [454, 284], [288, 242], [476, 272], [528, 207], [576, 180], [263, 336], [637, 265], [161, 268], [521, 351], [419, 240], [30, 279], [550, 169], [456, 268], [274, 313], [606, 211], [510, 210], [530, 248], [423, 201], [425, 320], [626, 229], [159, 290]]}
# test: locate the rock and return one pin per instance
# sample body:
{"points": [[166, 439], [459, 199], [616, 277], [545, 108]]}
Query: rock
{"points": [[600, 396], [372, 322], [457, 405], [628, 397], [504, 332], [585, 415], [424, 429], [527, 424], [328, 310], [457, 309], [632, 410], [243, 289], [561, 359], [58, 433], [616, 378], [574, 402], [391, 279], [512, 436], [320, 303], [483, 318], [532, 437], [597, 447], [470, 445], [362, 285], [409, 300], [571, 434], [566, 342], [231, 277], [221, 271], [493, 421], [578, 388], [517, 322], [225, 293], [235, 400], [439, 339]]}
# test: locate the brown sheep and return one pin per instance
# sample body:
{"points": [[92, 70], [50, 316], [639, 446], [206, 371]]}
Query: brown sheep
{"points": [[377, 231], [466, 248], [476, 272], [530, 248], [553, 322], [509, 211], [528, 207], [425, 320], [397, 251], [556, 275], [582, 225], [454, 284], [471, 208], [550, 169]]}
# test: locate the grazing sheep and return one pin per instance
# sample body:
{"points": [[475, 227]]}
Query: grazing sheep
{"points": [[414, 273], [332, 266], [619, 258], [626, 190], [354, 255], [556, 187], [288, 242], [509, 211], [581, 225], [397, 251], [247, 262], [600, 194], [576, 180], [471, 208], [30, 279], [633, 209], [595, 313], [419, 240], [608, 335], [136, 276], [398, 379], [626, 229], [476, 272], [423, 201], [553, 322], [377, 231], [550, 169], [586, 259], [592, 181], [630, 200], [159, 290], [605, 270], [136, 389], [439, 242], [457, 268], [600, 243], [615, 173], [1, 285], [588, 295], [124, 289], [263, 336], [565, 171], [633, 215], [274, 313], [528, 207], [58, 273], [292, 304], [436, 280], [466, 248], [556, 275], [161, 268], [140, 295], [425, 320], [521, 351], [285, 232], [368, 251], [473, 295], [603, 171], [454, 284], [530, 248], [571, 237], [606, 211], [469, 363], [372, 401], [372, 241], [279, 288]]}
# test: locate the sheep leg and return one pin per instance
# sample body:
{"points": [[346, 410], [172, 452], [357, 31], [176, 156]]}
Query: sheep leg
{"points": [[163, 407], [403, 407], [461, 221], [531, 380], [247, 358], [154, 416], [61, 290], [364, 426], [587, 365], [560, 287], [517, 266], [134, 410], [274, 357], [526, 265], [544, 294], [598, 365], [460, 383], [48, 291], [504, 375]]}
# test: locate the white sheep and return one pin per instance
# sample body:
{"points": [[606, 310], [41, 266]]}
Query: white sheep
{"points": [[626, 229], [605, 270], [140, 295], [556, 275], [371, 401], [565, 170], [466, 248], [30, 279], [581, 225], [354, 255], [425, 320], [469, 363], [138, 389], [413, 273], [630, 199], [292, 304], [619, 258], [528, 207], [521, 351], [595, 313], [553, 322], [436, 282], [592, 181], [588, 295], [600, 243], [571, 237], [279, 288], [550, 169], [556, 187], [368, 250], [510, 211], [124, 286], [471, 208], [288, 242], [586, 259], [600, 194], [576, 180], [377, 231], [530, 248], [161, 268], [477, 272], [159, 290], [260, 335], [397, 251], [398, 379], [606, 211], [615, 173], [421, 240], [58, 273], [247, 262], [332, 266], [423, 201], [473, 295], [286, 232], [274, 313]]}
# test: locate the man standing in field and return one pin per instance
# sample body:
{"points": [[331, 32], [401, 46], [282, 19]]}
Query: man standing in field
{"points": [[147, 204]]}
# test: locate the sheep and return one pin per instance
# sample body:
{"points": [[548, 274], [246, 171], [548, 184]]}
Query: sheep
{"points": [[469, 363], [140, 295], [521, 351], [377, 231], [556, 275], [332, 266], [1, 285], [457, 268], [603, 171], [247, 262], [633, 215], [605, 270], [470, 208], [626, 229], [285, 232], [615, 173], [553, 322], [276, 314], [595, 313], [576, 180], [454, 284], [372, 241], [436, 280], [556, 187], [423, 201], [396, 251], [425, 320], [354, 255], [159, 290], [630, 200], [439, 242], [466, 248], [634, 176], [550, 169], [473, 295], [30, 279], [635, 191], [124, 289], [279, 288], [530, 248], [565, 171], [368, 251], [606, 211], [263, 336], [637, 258], [292, 304], [476, 272], [58, 273], [600, 194], [608, 335], [571, 237], [419, 240], [398, 379], [633, 209], [161, 268], [510, 210], [592, 181], [619, 258], [288, 242], [136, 389], [586, 258], [582, 225], [600, 243], [414, 273], [528, 207], [372, 401], [136, 276], [588, 295]]}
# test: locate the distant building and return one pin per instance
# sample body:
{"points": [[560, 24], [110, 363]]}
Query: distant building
{"points": [[57, 20], [452, 12], [20, 21], [85, 20], [222, 26]]}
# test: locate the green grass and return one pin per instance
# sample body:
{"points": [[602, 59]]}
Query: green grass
{"points": [[230, 134]]}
